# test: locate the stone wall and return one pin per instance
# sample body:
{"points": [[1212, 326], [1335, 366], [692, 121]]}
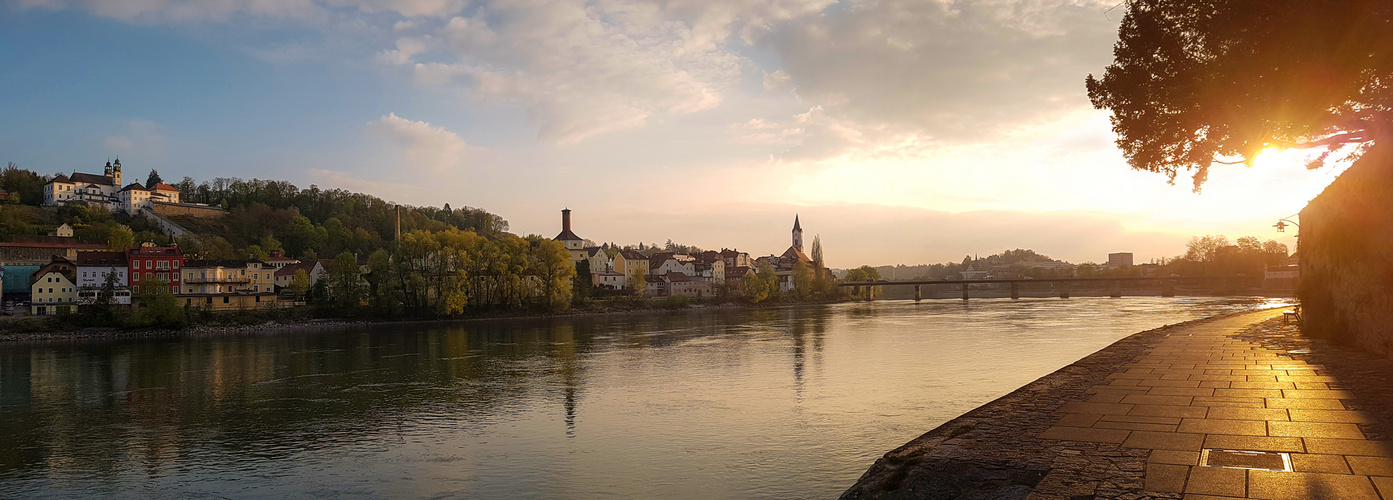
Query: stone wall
{"points": [[1346, 254], [186, 209]]}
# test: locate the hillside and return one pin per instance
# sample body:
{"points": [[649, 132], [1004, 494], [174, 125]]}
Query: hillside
{"points": [[261, 215]]}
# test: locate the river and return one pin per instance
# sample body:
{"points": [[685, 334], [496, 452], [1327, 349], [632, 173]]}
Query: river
{"points": [[788, 402]]}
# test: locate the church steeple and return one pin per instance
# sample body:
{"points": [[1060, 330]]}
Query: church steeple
{"points": [[797, 234]]}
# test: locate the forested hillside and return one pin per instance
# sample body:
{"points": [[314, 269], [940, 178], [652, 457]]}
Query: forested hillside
{"points": [[261, 215]]}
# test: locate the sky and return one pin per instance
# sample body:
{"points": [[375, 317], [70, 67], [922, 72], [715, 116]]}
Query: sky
{"points": [[899, 131]]}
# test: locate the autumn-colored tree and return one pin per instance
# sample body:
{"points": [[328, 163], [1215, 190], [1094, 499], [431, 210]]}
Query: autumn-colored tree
{"points": [[554, 267]]}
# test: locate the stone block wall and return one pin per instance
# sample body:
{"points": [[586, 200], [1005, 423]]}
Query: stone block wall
{"points": [[1346, 255]]}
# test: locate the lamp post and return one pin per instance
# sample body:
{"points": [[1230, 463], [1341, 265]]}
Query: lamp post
{"points": [[1281, 224]]}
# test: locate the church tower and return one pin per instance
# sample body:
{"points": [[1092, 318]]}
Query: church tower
{"points": [[797, 234], [116, 173]]}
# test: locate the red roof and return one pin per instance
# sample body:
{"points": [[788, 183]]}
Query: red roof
{"points": [[77, 246], [160, 186]]}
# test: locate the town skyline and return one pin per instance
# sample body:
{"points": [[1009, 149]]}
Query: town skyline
{"points": [[427, 103]]}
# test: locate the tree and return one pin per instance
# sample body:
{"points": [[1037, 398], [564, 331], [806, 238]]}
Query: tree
{"points": [[300, 283], [153, 179], [802, 281], [345, 282], [554, 267], [584, 280], [638, 280], [24, 184], [1199, 82], [753, 288], [120, 238], [161, 308], [1205, 248]]}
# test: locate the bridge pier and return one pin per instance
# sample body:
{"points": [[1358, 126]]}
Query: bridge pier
{"points": [[1117, 289], [1168, 289], [917, 293], [964, 292], [1015, 291], [1064, 290]]}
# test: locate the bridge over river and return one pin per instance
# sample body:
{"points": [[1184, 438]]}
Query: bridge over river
{"points": [[1064, 286]]}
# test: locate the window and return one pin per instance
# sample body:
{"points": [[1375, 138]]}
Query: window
{"points": [[149, 264], [136, 289], [226, 299], [149, 275], [176, 264], [135, 264]]}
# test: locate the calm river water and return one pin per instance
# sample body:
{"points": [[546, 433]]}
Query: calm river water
{"points": [[774, 403]]}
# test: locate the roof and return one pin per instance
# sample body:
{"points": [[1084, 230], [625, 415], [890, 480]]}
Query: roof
{"points": [[60, 266], [737, 271], [61, 178], [567, 235], [134, 186], [102, 259], [78, 246], [219, 263], [152, 251], [676, 277], [632, 255], [91, 178], [163, 187], [289, 270], [795, 253], [796, 227]]}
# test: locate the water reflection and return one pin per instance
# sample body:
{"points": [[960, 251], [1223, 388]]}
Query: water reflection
{"points": [[770, 402]]}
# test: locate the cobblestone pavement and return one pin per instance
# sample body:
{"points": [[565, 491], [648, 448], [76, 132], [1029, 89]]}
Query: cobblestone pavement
{"points": [[1134, 420], [1232, 385]]}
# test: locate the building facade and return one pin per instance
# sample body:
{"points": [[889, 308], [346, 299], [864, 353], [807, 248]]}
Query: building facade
{"points": [[218, 277], [93, 268], [151, 262], [574, 244], [53, 289]]}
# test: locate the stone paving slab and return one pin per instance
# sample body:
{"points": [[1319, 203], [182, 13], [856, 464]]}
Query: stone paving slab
{"points": [[1132, 420]]}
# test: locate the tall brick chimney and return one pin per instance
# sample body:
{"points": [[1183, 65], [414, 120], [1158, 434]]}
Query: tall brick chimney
{"points": [[565, 219]]}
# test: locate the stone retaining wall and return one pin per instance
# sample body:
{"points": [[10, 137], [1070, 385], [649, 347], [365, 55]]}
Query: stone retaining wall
{"points": [[1346, 255]]}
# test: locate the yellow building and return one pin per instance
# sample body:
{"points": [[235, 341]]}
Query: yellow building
{"points": [[226, 277], [233, 301], [53, 288]]}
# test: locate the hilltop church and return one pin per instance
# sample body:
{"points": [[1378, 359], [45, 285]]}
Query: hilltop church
{"points": [[105, 191]]}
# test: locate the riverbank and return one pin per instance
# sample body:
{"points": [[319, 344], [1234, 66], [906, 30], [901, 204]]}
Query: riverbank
{"points": [[1131, 420], [310, 324]]}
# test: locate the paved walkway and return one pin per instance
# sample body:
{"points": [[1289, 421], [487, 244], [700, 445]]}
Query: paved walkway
{"points": [[1201, 389]]}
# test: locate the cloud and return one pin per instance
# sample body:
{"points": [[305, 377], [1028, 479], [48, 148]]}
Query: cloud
{"points": [[953, 69], [579, 70], [422, 146], [139, 140]]}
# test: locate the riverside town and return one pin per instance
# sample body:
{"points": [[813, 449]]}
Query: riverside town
{"points": [[1005, 249]]}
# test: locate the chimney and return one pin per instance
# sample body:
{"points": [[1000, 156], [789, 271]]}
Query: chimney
{"points": [[565, 219]]}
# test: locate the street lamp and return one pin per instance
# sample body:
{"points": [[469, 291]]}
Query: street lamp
{"points": [[1281, 224]]}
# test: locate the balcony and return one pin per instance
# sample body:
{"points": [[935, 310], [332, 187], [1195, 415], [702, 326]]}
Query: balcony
{"points": [[229, 280]]}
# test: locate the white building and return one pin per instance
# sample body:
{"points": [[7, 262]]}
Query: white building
{"points": [[92, 271], [1120, 259], [105, 191]]}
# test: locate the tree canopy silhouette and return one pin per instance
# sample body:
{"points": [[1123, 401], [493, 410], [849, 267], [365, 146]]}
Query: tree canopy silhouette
{"points": [[1199, 82]]}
